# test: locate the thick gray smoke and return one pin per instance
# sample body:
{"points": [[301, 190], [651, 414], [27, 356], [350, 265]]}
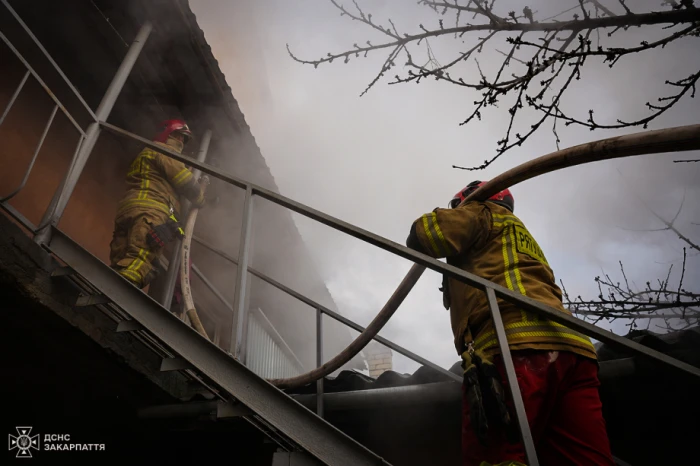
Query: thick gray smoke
{"points": [[382, 160]]}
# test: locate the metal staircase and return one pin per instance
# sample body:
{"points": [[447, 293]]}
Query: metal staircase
{"points": [[241, 392], [288, 423]]}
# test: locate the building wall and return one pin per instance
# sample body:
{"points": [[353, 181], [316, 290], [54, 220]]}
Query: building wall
{"points": [[170, 80], [87, 215]]}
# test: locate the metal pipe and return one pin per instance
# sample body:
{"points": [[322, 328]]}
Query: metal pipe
{"points": [[248, 349], [430, 394], [165, 297], [41, 82], [427, 395], [93, 132], [269, 349], [319, 361], [258, 349], [255, 343], [9, 105], [512, 378], [239, 319], [34, 156], [46, 54], [122, 74], [681, 138], [203, 151]]}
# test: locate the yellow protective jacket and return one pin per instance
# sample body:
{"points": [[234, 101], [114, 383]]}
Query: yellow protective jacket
{"points": [[155, 181], [487, 240]]}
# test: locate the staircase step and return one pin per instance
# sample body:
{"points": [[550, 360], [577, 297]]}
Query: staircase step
{"points": [[272, 407], [92, 300], [62, 271], [174, 364], [128, 326]]}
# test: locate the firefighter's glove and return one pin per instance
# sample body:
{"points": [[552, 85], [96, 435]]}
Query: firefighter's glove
{"points": [[200, 201], [160, 235], [202, 198], [445, 288], [477, 413]]}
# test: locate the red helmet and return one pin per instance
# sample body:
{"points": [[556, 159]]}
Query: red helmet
{"points": [[504, 198], [171, 126]]}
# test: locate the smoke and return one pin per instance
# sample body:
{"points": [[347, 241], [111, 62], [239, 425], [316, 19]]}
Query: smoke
{"points": [[382, 160]]}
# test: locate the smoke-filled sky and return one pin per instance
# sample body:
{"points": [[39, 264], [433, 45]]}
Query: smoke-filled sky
{"points": [[382, 160]]}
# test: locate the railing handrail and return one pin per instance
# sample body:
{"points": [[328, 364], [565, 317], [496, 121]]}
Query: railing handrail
{"points": [[41, 82], [325, 310], [475, 281], [678, 139], [51, 60]]}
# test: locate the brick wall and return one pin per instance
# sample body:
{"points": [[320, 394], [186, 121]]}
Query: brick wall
{"points": [[379, 359]]}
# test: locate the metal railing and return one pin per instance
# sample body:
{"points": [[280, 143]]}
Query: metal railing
{"points": [[319, 308], [493, 291], [78, 161], [30, 72]]}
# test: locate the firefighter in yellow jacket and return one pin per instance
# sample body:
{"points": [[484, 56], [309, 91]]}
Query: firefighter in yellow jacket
{"points": [[147, 215], [556, 367]]}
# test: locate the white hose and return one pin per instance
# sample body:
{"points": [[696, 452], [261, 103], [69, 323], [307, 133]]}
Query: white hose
{"points": [[185, 268]]}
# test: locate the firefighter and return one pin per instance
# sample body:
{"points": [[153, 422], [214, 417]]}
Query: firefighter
{"points": [[557, 368], [147, 215]]}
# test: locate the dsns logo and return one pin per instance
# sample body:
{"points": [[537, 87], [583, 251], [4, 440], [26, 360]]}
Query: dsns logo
{"points": [[23, 442]]}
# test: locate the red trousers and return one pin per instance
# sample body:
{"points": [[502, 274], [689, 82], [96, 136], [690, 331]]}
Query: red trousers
{"points": [[560, 392]]}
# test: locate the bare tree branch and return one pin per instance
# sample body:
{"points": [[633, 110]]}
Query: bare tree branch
{"points": [[532, 72], [668, 225], [619, 301]]}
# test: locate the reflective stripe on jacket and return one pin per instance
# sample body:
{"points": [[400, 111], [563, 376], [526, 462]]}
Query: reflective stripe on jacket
{"points": [[487, 240], [155, 181]]}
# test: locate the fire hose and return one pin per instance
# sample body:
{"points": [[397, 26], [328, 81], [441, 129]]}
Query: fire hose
{"points": [[681, 138], [678, 139], [185, 267]]}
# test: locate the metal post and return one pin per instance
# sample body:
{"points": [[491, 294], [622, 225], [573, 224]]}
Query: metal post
{"points": [[9, 105], [34, 156], [55, 211], [48, 57], [239, 317], [319, 361], [52, 205], [520, 413], [211, 287], [164, 293]]}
